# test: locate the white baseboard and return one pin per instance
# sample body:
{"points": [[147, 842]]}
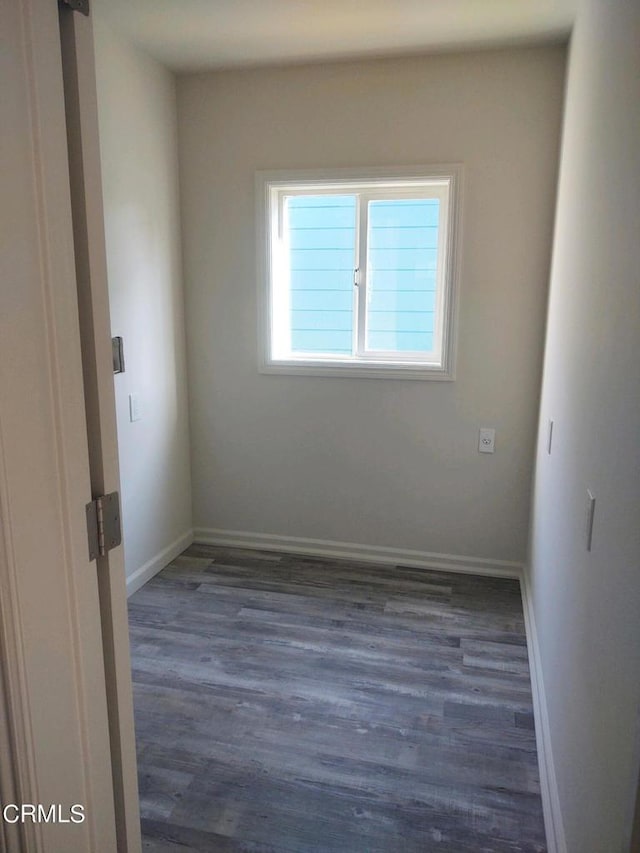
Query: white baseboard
{"points": [[156, 564], [354, 551], [554, 828]]}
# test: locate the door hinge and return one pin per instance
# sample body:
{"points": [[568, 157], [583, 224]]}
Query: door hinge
{"points": [[117, 352], [103, 525], [81, 6]]}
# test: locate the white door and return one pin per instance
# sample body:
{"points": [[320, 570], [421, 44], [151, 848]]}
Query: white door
{"points": [[66, 730]]}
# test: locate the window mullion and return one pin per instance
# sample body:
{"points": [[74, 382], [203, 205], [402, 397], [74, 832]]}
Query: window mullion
{"points": [[361, 319], [356, 281]]}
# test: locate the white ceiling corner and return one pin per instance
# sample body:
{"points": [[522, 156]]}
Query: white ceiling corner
{"points": [[189, 35]]}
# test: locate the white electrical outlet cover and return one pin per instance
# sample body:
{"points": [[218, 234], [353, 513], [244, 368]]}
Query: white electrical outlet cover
{"points": [[487, 440]]}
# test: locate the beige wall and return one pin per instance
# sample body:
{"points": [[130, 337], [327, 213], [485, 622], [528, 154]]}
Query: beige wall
{"points": [[373, 461], [138, 140], [587, 605]]}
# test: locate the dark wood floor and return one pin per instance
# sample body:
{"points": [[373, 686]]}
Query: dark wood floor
{"points": [[291, 703]]}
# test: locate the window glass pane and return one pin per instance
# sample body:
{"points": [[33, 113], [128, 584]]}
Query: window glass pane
{"points": [[322, 244], [401, 274]]}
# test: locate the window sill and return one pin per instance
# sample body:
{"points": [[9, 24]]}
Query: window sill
{"points": [[361, 370]]}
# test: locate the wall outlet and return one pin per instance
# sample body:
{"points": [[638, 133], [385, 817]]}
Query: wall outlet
{"points": [[135, 409], [487, 440]]}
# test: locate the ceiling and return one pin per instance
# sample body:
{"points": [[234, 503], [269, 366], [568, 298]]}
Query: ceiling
{"points": [[189, 35]]}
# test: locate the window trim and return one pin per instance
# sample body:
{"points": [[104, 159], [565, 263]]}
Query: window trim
{"points": [[358, 180]]}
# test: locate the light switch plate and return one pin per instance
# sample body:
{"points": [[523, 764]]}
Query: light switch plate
{"points": [[591, 511], [487, 440], [135, 411]]}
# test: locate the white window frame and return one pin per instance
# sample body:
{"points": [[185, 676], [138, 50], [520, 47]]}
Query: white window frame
{"points": [[443, 181]]}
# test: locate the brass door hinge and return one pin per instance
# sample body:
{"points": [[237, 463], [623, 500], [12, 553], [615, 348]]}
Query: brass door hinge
{"points": [[103, 525]]}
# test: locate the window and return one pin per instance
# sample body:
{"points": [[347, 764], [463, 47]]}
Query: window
{"points": [[358, 272]]}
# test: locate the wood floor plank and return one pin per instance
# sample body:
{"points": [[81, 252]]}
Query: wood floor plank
{"points": [[287, 704]]}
